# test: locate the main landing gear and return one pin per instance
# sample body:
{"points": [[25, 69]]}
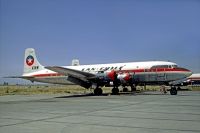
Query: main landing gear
{"points": [[115, 91], [98, 91], [125, 89], [173, 90], [133, 88]]}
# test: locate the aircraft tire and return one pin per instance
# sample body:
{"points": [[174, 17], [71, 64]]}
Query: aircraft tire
{"points": [[173, 91], [133, 88], [125, 89], [98, 91], [115, 91]]}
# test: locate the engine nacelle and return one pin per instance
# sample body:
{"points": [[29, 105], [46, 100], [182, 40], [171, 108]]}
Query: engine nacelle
{"points": [[106, 75], [113, 77], [124, 77]]}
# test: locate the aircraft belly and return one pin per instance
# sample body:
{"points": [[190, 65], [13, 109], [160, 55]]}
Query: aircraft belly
{"points": [[140, 77], [174, 76], [150, 77]]}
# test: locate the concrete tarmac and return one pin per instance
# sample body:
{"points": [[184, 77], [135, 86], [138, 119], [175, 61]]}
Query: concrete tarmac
{"points": [[150, 112]]}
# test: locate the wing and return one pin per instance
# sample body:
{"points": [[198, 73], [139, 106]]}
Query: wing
{"points": [[75, 76], [71, 72]]}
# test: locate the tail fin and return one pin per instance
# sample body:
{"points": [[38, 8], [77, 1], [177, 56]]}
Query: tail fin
{"points": [[31, 64], [75, 62]]}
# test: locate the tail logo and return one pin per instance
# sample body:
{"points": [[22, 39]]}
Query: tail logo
{"points": [[30, 60]]}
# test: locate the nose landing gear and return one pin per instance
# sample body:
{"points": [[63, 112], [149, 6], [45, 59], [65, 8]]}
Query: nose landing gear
{"points": [[173, 90]]}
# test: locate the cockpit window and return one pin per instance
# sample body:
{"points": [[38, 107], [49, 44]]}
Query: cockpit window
{"points": [[174, 66]]}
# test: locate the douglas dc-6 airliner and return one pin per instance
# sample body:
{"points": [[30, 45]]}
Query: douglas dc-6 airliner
{"points": [[99, 75]]}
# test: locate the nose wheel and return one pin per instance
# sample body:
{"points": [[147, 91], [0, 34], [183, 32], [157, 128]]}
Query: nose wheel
{"points": [[173, 90]]}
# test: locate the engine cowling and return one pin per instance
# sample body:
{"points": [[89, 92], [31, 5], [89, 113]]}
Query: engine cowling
{"points": [[124, 77], [114, 78], [112, 75], [120, 76]]}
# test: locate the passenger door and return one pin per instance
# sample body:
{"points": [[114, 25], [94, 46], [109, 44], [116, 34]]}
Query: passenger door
{"points": [[160, 74]]}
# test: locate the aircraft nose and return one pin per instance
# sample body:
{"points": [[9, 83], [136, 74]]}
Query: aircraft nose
{"points": [[185, 72]]}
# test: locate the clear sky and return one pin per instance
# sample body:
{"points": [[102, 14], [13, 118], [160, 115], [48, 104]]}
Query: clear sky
{"points": [[99, 31]]}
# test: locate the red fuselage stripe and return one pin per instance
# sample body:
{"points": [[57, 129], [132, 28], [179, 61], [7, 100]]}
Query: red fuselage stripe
{"points": [[156, 70], [126, 71]]}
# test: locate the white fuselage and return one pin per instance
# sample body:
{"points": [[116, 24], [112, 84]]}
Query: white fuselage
{"points": [[149, 71]]}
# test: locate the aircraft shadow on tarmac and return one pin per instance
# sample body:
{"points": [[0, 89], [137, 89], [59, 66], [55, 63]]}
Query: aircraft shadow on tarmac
{"points": [[91, 95], [107, 94], [81, 95]]}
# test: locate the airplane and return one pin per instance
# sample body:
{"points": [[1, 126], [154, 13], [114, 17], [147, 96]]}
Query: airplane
{"points": [[98, 75], [194, 79]]}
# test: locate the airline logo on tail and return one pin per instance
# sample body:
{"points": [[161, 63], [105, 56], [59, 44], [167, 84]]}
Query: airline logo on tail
{"points": [[30, 60]]}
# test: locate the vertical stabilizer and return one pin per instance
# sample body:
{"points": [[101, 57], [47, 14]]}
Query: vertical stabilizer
{"points": [[75, 62], [31, 64]]}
